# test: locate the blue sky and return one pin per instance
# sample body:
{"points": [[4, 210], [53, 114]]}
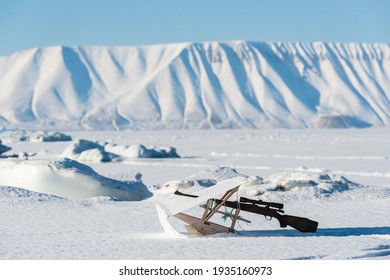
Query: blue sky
{"points": [[34, 23]]}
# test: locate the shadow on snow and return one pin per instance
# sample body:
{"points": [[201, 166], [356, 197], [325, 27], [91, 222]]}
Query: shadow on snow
{"points": [[333, 232]]}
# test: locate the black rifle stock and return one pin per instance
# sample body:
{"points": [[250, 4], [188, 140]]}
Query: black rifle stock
{"points": [[299, 223]]}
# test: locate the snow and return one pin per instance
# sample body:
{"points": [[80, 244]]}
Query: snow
{"points": [[16, 135], [234, 84], [67, 178], [339, 178], [140, 151], [168, 229], [90, 151], [50, 137], [180, 203], [87, 151]]}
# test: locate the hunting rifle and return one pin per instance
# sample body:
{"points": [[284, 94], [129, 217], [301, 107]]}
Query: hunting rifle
{"points": [[272, 210], [205, 226]]}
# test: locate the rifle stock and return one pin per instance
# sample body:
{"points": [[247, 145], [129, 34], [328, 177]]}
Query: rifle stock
{"points": [[299, 223]]}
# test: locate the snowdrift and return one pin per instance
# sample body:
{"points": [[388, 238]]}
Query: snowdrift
{"points": [[13, 193], [302, 184], [140, 151], [67, 178], [89, 151], [197, 85], [18, 135]]}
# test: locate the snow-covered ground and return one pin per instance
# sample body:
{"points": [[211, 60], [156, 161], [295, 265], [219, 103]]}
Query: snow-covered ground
{"points": [[340, 178]]}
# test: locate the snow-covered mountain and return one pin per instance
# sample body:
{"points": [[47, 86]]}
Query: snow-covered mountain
{"points": [[234, 84]]}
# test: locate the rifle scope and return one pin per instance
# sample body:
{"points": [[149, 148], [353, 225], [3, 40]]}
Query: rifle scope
{"points": [[261, 202]]}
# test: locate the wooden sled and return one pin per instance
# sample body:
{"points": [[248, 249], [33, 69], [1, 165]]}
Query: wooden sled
{"points": [[229, 187]]}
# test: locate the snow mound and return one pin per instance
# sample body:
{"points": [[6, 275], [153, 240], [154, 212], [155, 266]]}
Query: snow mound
{"points": [[67, 178], [200, 180], [18, 135], [3, 148], [140, 151], [174, 185], [86, 151], [14, 193], [210, 177], [301, 183], [50, 137]]}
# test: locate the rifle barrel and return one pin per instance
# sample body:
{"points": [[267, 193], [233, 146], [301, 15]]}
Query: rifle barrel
{"points": [[299, 223], [261, 202]]}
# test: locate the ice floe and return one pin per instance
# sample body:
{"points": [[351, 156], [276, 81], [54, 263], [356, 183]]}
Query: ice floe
{"points": [[141, 151], [67, 178], [89, 151], [20, 135]]}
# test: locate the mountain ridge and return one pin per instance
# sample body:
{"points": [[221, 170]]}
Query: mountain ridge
{"points": [[233, 84]]}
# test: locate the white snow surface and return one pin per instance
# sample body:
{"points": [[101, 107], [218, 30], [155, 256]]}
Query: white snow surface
{"points": [[16, 135], [67, 178], [86, 151], [140, 151], [339, 178], [90, 151], [235, 84]]}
